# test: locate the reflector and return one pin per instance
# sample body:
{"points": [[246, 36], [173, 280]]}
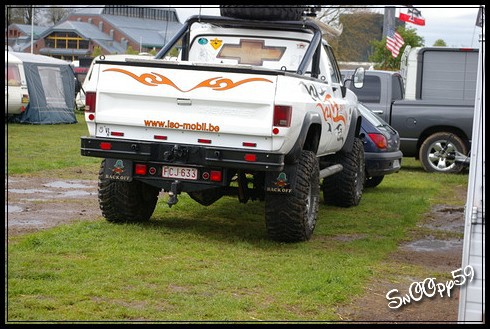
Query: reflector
{"points": [[140, 169], [216, 176]]}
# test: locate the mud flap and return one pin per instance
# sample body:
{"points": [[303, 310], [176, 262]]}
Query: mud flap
{"points": [[118, 169], [282, 182]]}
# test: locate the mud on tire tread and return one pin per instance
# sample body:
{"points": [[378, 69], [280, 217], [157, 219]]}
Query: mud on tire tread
{"points": [[345, 188], [266, 12], [292, 217], [122, 202]]}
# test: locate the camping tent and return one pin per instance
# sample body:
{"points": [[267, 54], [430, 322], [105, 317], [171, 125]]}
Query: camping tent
{"points": [[51, 87]]}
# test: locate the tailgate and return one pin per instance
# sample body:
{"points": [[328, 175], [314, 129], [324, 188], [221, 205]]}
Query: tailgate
{"points": [[185, 104]]}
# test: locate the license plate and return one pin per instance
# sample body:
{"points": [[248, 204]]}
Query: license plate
{"points": [[396, 164], [179, 172]]}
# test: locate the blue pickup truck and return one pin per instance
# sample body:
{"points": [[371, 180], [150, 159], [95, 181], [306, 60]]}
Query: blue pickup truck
{"points": [[436, 126]]}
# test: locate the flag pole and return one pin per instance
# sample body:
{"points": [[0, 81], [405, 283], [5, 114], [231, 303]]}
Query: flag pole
{"points": [[32, 29], [389, 20]]}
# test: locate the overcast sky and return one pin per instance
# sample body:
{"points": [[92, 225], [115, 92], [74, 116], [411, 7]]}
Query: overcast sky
{"points": [[453, 24]]}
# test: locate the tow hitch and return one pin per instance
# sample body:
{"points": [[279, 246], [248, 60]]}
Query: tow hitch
{"points": [[174, 191]]}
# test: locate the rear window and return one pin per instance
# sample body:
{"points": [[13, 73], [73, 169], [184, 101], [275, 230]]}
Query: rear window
{"points": [[12, 75], [277, 54]]}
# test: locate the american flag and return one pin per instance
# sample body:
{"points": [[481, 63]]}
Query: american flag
{"points": [[394, 42]]}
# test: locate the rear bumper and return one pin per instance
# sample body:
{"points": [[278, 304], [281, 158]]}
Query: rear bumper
{"points": [[380, 164], [169, 153]]}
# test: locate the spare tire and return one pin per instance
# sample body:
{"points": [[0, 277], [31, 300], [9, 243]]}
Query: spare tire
{"points": [[268, 12]]}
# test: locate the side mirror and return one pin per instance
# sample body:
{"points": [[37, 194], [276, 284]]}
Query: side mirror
{"points": [[358, 77]]}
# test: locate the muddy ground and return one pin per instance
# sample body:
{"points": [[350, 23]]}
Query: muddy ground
{"points": [[34, 203]]}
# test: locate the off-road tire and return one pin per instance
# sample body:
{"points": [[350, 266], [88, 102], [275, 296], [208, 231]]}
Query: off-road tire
{"points": [[345, 188], [264, 12], [292, 217], [373, 181], [123, 202], [433, 160]]}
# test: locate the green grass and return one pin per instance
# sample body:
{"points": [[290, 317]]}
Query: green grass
{"points": [[195, 263], [33, 148]]}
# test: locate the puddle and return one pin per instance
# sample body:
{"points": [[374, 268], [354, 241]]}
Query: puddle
{"points": [[27, 222], [36, 203], [442, 218], [446, 218], [28, 191], [434, 245], [67, 184], [12, 209], [73, 194]]}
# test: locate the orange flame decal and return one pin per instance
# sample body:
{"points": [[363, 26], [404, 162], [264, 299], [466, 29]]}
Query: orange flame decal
{"points": [[216, 83], [331, 109]]}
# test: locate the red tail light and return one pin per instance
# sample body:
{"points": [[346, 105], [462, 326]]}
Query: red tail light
{"points": [[90, 102], [379, 140], [282, 116]]}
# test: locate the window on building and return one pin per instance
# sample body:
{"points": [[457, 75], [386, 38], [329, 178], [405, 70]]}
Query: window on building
{"points": [[66, 40]]}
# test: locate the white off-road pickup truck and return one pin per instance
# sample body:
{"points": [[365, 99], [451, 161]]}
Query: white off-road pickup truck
{"points": [[250, 107]]}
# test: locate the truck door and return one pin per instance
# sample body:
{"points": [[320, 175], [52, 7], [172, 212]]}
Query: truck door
{"points": [[336, 109]]}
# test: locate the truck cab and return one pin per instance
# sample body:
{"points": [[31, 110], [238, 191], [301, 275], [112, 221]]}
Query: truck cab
{"points": [[380, 90]]}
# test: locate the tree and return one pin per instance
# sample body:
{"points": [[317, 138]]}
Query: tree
{"points": [[130, 50], [440, 43], [29, 14], [358, 29], [382, 56], [96, 52], [331, 16], [19, 14], [56, 13]]}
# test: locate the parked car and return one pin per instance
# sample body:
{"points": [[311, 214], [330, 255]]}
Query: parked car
{"points": [[381, 147]]}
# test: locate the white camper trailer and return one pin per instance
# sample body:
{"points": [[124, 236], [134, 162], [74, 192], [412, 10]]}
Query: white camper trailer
{"points": [[16, 93], [439, 73]]}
